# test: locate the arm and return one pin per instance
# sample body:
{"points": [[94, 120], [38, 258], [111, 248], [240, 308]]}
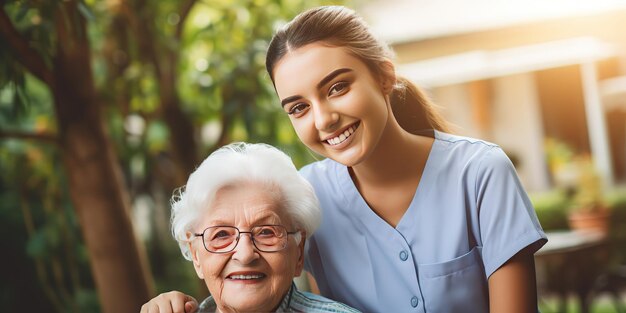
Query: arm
{"points": [[170, 302], [510, 231], [312, 283], [512, 287]]}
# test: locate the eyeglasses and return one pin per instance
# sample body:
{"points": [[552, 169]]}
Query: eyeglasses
{"points": [[266, 238]]}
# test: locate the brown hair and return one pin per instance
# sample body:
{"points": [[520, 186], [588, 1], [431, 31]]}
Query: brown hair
{"points": [[341, 27]]}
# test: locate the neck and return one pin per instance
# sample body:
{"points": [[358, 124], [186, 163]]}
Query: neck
{"points": [[397, 157], [226, 309]]}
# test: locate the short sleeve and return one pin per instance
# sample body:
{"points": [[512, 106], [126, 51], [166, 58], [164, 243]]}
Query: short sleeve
{"points": [[508, 222]]}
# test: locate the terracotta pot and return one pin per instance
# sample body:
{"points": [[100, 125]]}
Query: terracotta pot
{"points": [[596, 221]]}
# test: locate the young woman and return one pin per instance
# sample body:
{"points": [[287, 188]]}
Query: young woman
{"points": [[414, 219]]}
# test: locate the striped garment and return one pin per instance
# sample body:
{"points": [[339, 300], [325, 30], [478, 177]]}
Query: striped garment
{"points": [[294, 302]]}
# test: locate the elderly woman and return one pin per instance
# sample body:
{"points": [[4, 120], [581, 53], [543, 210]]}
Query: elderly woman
{"points": [[242, 219]]}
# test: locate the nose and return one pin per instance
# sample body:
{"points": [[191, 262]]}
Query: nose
{"points": [[325, 116], [245, 251]]}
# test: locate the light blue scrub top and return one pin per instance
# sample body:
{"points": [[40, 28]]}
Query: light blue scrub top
{"points": [[469, 215]]}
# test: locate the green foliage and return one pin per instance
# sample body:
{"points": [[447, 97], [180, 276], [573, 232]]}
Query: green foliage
{"points": [[589, 194], [34, 21], [235, 84], [216, 56], [551, 208], [576, 175], [616, 200], [40, 233]]}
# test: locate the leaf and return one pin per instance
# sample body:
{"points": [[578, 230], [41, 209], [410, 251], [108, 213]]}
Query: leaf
{"points": [[86, 12], [21, 12], [21, 100], [157, 136], [18, 105], [87, 300], [36, 246], [52, 232]]}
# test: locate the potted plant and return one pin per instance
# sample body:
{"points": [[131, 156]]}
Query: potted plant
{"points": [[588, 210]]}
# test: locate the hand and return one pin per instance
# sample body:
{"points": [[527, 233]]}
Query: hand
{"points": [[171, 302]]}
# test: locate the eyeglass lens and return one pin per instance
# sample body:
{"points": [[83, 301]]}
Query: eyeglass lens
{"points": [[266, 238]]}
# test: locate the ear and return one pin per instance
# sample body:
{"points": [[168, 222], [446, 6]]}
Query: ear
{"points": [[300, 263], [196, 259], [387, 76]]}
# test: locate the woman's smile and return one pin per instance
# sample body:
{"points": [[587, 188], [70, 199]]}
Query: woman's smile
{"points": [[247, 277], [341, 136]]}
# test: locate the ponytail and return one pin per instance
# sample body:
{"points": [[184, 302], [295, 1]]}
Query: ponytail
{"points": [[413, 109]]}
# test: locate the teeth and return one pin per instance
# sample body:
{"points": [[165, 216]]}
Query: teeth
{"points": [[246, 276], [343, 136]]}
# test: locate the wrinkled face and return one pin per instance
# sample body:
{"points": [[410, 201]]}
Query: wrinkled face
{"points": [[335, 104], [246, 279]]}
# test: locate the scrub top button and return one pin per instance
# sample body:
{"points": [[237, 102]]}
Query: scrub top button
{"points": [[414, 302], [404, 255]]}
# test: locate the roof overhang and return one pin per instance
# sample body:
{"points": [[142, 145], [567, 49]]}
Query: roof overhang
{"points": [[479, 65]]}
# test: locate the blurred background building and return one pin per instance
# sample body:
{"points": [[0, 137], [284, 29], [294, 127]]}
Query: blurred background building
{"points": [[520, 73]]}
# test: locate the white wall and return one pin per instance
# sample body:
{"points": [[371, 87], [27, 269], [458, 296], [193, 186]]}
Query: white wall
{"points": [[517, 127]]}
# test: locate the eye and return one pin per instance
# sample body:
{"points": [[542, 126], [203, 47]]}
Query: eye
{"points": [[221, 234], [337, 88], [298, 108], [267, 232]]}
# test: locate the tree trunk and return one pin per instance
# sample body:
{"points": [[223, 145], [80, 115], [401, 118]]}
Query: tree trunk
{"points": [[182, 140], [94, 177], [164, 59]]}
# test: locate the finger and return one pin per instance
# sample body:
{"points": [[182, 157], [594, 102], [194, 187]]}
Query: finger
{"points": [[177, 302], [191, 306], [152, 307], [164, 308], [164, 304]]}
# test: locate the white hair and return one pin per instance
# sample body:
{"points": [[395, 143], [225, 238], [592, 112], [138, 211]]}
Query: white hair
{"points": [[239, 162]]}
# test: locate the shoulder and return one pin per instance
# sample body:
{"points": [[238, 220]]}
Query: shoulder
{"points": [[312, 303], [470, 152], [320, 171], [464, 143], [318, 167]]}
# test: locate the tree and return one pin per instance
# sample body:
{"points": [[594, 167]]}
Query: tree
{"points": [[141, 90], [94, 177]]}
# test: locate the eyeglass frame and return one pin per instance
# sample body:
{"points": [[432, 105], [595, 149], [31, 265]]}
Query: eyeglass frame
{"points": [[239, 232]]}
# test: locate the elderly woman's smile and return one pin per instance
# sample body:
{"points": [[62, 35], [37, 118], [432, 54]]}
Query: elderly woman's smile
{"points": [[246, 276]]}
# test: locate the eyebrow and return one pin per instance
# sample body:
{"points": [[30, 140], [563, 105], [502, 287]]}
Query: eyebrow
{"points": [[331, 76], [264, 218], [322, 82], [289, 99]]}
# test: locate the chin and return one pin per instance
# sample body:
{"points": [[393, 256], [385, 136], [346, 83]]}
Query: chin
{"points": [[348, 158], [244, 307], [349, 164]]}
